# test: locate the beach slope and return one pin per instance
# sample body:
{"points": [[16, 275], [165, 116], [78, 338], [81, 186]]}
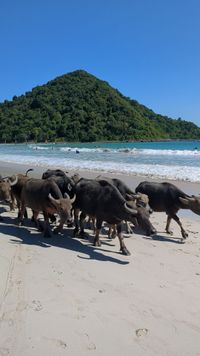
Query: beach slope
{"points": [[63, 296]]}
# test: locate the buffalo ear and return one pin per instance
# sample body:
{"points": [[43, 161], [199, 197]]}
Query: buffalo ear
{"points": [[130, 197], [69, 187]]}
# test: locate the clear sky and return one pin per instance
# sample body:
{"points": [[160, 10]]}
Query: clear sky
{"points": [[147, 49]]}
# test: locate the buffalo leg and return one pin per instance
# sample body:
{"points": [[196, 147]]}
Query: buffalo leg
{"points": [[37, 223], [176, 218], [128, 227], [59, 228], [97, 241], [82, 220], [47, 229], [21, 212], [167, 225], [123, 248], [112, 232], [183, 232], [76, 221], [25, 214], [12, 203]]}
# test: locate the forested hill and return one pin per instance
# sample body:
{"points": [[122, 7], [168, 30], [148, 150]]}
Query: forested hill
{"points": [[79, 107]]}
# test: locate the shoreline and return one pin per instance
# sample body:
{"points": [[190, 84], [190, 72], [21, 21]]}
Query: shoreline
{"points": [[102, 142]]}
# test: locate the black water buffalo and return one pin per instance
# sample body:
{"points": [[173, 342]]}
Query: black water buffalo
{"points": [[45, 196], [134, 200], [140, 199], [5, 191], [168, 198], [53, 172], [103, 201], [65, 183], [16, 188]]}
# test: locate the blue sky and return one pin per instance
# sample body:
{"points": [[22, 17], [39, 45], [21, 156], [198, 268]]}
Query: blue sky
{"points": [[147, 49]]}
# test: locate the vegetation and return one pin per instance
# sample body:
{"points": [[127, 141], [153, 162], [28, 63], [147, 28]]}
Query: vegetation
{"points": [[79, 107]]}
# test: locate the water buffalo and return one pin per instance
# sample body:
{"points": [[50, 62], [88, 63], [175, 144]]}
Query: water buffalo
{"points": [[102, 200], [53, 172], [16, 188], [5, 191], [65, 183], [168, 198], [134, 200], [45, 196]]}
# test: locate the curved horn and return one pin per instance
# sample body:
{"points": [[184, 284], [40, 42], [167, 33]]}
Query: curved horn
{"points": [[132, 211], [73, 199], [13, 182], [52, 198], [66, 196]]}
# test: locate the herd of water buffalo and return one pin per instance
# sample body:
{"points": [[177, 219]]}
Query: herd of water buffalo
{"points": [[101, 199]]}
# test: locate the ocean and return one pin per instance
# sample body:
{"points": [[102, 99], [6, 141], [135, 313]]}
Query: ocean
{"points": [[172, 159]]}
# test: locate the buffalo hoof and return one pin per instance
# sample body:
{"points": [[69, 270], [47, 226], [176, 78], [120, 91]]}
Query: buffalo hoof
{"points": [[70, 224], [97, 243], [169, 232], [75, 232], [153, 232], [150, 233], [39, 225], [56, 230], [182, 240], [47, 234], [184, 235], [83, 235], [112, 236], [125, 251]]}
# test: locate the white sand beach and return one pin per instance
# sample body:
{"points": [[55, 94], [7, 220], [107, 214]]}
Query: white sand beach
{"points": [[63, 296]]}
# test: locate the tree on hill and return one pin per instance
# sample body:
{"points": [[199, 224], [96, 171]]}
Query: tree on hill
{"points": [[79, 107]]}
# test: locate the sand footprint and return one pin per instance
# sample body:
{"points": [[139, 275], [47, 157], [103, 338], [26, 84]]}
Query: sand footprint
{"points": [[36, 305]]}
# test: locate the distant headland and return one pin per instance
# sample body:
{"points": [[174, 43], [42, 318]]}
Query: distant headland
{"points": [[78, 107]]}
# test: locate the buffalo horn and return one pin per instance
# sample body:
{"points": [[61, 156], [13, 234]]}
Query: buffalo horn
{"points": [[132, 211], [66, 196], [71, 200], [52, 198], [14, 181]]}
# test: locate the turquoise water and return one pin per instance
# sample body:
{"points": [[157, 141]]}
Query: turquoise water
{"points": [[173, 160]]}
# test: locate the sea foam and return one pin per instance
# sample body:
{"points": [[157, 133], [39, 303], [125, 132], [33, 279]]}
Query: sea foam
{"points": [[187, 173]]}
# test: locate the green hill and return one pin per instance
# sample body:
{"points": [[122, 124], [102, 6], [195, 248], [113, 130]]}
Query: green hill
{"points": [[79, 107]]}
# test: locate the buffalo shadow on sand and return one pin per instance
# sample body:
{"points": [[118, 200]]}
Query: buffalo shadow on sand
{"points": [[158, 237], [29, 235]]}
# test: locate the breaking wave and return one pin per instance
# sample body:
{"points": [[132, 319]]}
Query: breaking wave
{"points": [[131, 151], [186, 173]]}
